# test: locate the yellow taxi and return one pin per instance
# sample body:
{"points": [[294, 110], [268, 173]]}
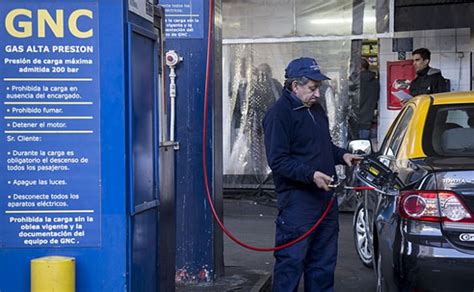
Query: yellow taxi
{"points": [[417, 227]]}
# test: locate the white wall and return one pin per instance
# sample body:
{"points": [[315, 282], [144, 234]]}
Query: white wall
{"points": [[450, 52]]}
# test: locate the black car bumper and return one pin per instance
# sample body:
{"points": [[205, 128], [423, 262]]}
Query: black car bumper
{"points": [[434, 266]]}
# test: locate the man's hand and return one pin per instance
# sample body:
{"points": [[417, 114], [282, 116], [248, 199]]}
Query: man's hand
{"points": [[351, 159], [322, 180]]}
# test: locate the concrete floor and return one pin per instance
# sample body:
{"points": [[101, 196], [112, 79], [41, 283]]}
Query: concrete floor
{"points": [[250, 271], [254, 224]]}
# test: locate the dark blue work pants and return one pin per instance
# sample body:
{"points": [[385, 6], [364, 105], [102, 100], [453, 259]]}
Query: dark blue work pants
{"points": [[315, 256]]}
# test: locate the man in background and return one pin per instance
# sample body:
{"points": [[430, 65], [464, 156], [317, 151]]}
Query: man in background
{"points": [[369, 96], [428, 80]]}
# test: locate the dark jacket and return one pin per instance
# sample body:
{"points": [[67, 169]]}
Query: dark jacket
{"points": [[298, 143], [369, 95], [428, 80]]}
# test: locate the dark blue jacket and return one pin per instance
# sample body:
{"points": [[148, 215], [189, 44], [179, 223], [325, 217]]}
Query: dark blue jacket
{"points": [[298, 143]]}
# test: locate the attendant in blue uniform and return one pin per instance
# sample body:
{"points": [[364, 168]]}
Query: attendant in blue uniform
{"points": [[303, 158]]}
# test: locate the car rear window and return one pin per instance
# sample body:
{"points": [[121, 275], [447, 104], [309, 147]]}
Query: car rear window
{"points": [[449, 131]]}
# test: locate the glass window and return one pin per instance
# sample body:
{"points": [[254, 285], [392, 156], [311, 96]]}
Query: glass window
{"points": [[391, 145], [400, 131], [253, 77], [450, 131], [257, 18], [388, 136], [290, 18], [323, 17], [253, 71]]}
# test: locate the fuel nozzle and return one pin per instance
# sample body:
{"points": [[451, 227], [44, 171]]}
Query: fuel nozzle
{"points": [[340, 184], [337, 183]]}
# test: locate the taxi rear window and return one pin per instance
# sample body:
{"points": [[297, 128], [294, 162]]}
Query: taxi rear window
{"points": [[449, 131]]}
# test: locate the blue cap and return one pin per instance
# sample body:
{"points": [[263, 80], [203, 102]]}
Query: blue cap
{"points": [[304, 67]]}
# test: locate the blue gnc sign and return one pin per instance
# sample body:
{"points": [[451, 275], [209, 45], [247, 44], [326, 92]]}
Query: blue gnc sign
{"points": [[55, 21], [50, 133]]}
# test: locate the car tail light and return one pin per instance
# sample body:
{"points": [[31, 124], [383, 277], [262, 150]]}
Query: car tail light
{"points": [[435, 206]]}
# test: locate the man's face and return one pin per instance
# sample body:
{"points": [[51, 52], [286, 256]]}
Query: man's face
{"points": [[307, 93], [419, 63]]}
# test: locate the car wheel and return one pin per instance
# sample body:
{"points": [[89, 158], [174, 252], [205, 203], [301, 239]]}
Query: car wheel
{"points": [[381, 285], [361, 237]]}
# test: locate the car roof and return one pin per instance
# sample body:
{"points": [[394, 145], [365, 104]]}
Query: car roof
{"points": [[453, 97], [447, 97]]}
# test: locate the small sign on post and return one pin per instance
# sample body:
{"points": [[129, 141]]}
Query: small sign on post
{"points": [[183, 19]]}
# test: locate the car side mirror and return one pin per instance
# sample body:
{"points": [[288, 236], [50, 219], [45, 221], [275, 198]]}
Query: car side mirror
{"points": [[361, 147]]}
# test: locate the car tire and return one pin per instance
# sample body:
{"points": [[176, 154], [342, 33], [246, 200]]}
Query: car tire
{"points": [[361, 237]]}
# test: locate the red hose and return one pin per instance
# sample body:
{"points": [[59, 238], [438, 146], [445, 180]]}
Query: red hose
{"points": [[204, 136], [360, 188]]}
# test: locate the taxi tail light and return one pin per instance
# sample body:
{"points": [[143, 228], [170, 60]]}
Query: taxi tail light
{"points": [[434, 206]]}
